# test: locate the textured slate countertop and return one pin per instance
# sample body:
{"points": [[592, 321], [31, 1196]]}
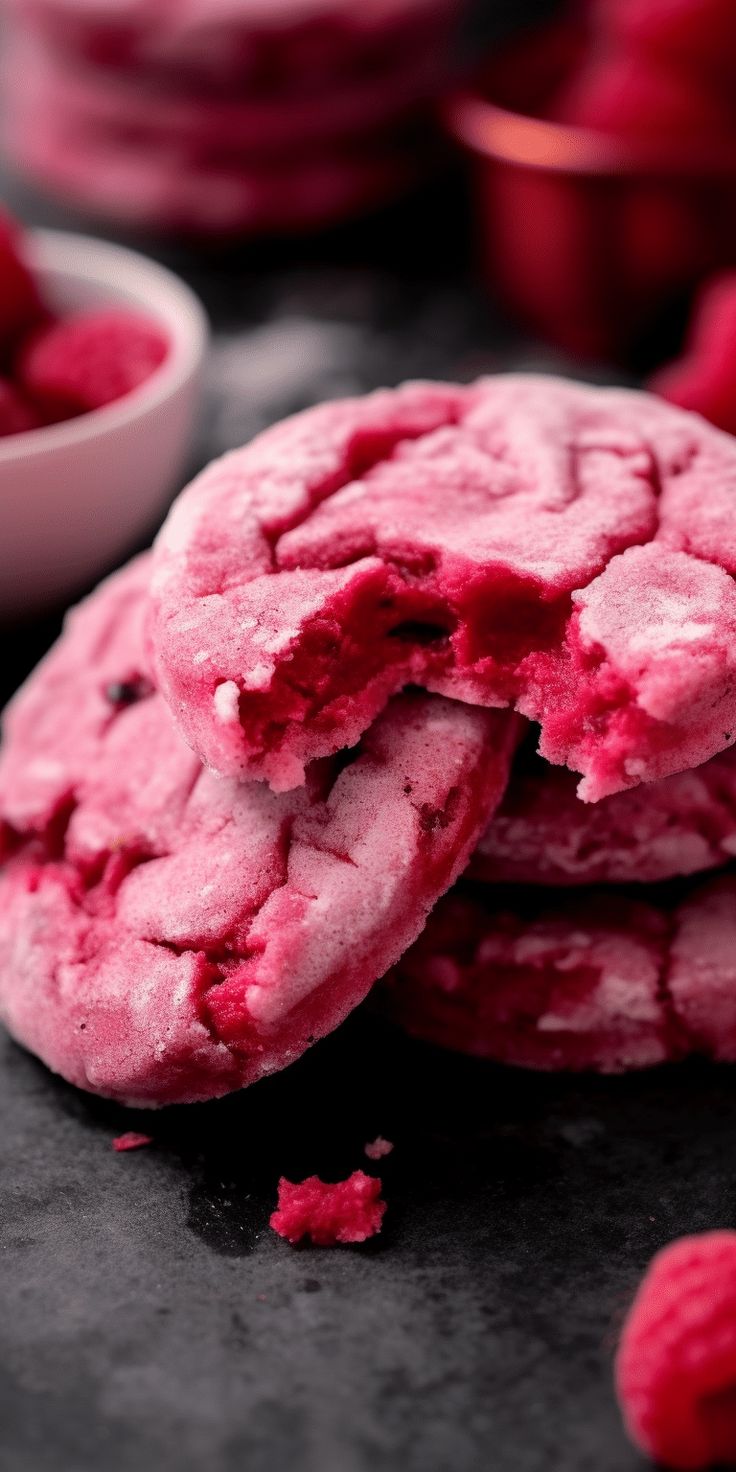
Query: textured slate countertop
{"points": [[148, 1317]]}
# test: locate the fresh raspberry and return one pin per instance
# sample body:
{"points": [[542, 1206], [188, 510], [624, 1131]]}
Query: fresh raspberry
{"points": [[348, 1211], [131, 1140], [699, 34], [639, 99], [122, 693], [89, 360], [704, 378], [676, 1364], [20, 304], [16, 415]]}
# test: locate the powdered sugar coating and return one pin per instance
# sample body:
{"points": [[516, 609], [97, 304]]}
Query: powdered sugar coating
{"points": [[702, 979], [543, 834], [591, 980], [249, 130], [166, 935], [519, 541]]}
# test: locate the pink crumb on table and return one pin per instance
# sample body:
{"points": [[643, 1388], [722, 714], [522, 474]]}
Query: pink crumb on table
{"points": [[131, 1140], [229, 953], [376, 1149], [699, 35], [676, 1364], [326, 1212]]}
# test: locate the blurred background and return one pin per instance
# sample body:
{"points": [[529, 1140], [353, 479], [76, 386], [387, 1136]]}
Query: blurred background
{"points": [[361, 194]]}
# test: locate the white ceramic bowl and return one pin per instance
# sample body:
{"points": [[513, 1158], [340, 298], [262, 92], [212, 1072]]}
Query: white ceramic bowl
{"points": [[75, 497]]}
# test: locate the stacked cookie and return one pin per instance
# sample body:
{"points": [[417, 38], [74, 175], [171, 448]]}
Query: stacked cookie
{"points": [[259, 756], [243, 116]]}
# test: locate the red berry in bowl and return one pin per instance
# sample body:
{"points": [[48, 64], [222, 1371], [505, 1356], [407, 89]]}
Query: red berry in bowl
{"points": [[20, 304], [16, 415], [676, 1364], [89, 360]]}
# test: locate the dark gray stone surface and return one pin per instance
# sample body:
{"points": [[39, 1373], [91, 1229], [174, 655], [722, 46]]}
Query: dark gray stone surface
{"points": [[150, 1319]]}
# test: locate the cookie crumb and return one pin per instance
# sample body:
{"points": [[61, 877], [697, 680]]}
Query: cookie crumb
{"points": [[131, 1140], [327, 1213], [376, 1149]]}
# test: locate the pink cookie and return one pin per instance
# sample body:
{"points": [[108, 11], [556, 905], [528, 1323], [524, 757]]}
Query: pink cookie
{"points": [[594, 981], [522, 541], [166, 188], [232, 44], [167, 935], [641, 100], [132, 113], [696, 35], [327, 1213], [543, 834]]}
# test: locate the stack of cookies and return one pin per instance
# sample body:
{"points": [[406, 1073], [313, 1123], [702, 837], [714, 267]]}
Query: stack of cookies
{"points": [[224, 116], [486, 631]]}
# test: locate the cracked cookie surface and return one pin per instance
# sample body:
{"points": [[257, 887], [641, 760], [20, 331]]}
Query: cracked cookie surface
{"points": [[521, 541], [168, 935]]}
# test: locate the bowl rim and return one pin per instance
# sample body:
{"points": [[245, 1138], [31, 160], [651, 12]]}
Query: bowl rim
{"points": [[171, 302], [501, 135]]}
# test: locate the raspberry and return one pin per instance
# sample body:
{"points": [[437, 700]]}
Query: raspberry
{"points": [[699, 34], [635, 98], [20, 305], [131, 1140], [89, 360], [348, 1211], [704, 378], [16, 415], [676, 1364]]}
